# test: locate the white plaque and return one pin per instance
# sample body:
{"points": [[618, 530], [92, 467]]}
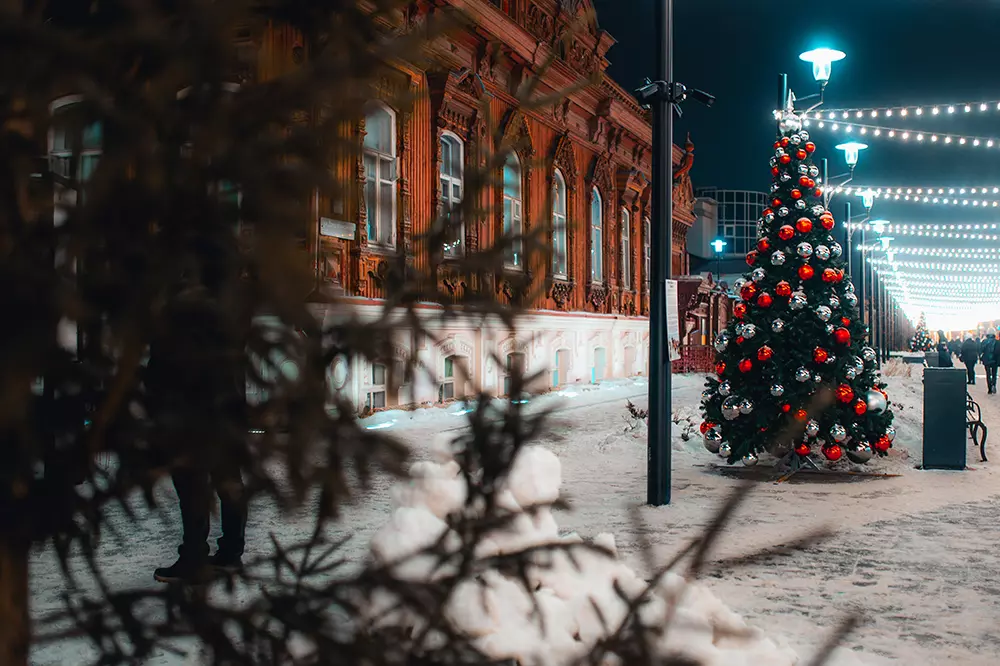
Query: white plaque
{"points": [[673, 322], [337, 228]]}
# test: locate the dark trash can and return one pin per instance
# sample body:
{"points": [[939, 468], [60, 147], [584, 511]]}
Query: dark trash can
{"points": [[944, 418]]}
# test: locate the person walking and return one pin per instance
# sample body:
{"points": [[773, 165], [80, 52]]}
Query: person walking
{"points": [[990, 354], [944, 354], [970, 357], [197, 401]]}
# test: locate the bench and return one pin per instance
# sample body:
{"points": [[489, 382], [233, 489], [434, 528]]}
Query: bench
{"points": [[977, 429]]}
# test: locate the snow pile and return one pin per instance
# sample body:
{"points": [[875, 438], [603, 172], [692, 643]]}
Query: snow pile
{"points": [[574, 599]]}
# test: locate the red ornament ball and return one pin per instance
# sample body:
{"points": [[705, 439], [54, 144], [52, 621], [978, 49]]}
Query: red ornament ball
{"points": [[786, 408], [860, 407], [842, 336], [752, 257], [801, 154], [810, 147], [804, 181], [786, 232], [802, 449], [767, 211], [845, 321], [765, 300], [796, 194], [826, 220], [765, 353], [801, 415], [783, 289], [840, 274], [804, 225], [706, 426], [812, 183], [748, 291], [763, 245], [806, 272], [746, 365], [740, 310], [833, 452], [775, 171], [785, 159], [740, 339], [818, 192], [784, 142], [829, 275], [720, 368], [820, 355], [844, 393], [882, 444], [775, 202]]}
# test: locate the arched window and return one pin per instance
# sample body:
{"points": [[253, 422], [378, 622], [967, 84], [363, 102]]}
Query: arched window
{"points": [[380, 175], [596, 236], [559, 267], [626, 249], [65, 138], [645, 250], [512, 219], [452, 152]]}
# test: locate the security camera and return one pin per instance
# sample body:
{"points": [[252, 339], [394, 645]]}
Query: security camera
{"points": [[702, 96]]}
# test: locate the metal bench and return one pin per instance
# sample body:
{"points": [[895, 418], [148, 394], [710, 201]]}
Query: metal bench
{"points": [[974, 420]]}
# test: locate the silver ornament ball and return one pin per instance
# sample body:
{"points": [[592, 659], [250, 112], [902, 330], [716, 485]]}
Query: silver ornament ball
{"points": [[739, 283], [785, 177], [800, 204], [802, 375], [725, 450], [822, 252], [777, 258], [804, 169], [798, 301], [795, 139], [851, 373], [890, 432], [838, 433], [746, 406], [804, 250], [805, 137], [812, 428], [778, 325], [852, 300], [713, 440], [834, 302], [824, 313], [789, 123], [721, 343], [876, 402], [749, 331], [818, 210], [862, 454], [836, 249], [750, 460], [869, 354], [758, 274], [783, 211], [725, 388], [730, 408]]}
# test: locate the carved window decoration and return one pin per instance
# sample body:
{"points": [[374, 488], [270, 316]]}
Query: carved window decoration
{"points": [[451, 176], [626, 249], [380, 175], [596, 236], [513, 223], [645, 251], [559, 244]]}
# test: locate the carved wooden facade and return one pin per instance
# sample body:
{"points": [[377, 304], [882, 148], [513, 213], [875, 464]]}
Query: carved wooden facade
{"points": [[597, 137]]}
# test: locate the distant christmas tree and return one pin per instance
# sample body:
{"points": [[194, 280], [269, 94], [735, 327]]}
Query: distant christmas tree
{"points": [[796, 336], [921, 340]]}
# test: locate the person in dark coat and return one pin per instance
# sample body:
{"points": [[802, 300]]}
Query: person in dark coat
{"points": [[970, 357], [990, 355], [196, 393], [955, 347], [944, 354]]}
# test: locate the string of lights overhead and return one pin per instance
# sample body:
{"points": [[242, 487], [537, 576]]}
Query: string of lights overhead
{"points": [[907, 111], [903, 134], [859, 189], [953, 267], [961, 253], [913, 230], [916, 198]]}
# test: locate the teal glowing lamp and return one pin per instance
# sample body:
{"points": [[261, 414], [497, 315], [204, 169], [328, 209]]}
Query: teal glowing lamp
{"points": [[867, 198], [879, 225], [852, 152], [719, 245], [822, 61]]}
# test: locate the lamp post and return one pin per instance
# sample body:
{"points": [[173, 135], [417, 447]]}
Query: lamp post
{"points": [[719, 244]]}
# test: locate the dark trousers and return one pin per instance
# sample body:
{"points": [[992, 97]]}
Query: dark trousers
{"points": [[991, 378], [194, 492], [970, 371]]}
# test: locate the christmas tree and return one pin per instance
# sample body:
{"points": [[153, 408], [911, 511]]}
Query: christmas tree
{"points": [[793, 370], [921, 340]]}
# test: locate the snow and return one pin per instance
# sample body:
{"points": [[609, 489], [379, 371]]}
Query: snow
{"points": [[915, 553]]}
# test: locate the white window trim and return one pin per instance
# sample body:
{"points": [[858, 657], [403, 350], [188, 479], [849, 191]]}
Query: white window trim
{"points": [[596, 245], [626, 243], [374, 389], [559, 226], [446, 380], [457, 247], [379, 181], [517, 214]]}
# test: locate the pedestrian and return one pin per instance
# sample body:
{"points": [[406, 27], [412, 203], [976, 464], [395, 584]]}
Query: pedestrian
{"points": [[970, 356], [990, 354], [955, 346], [197, 399], [944, 354]]}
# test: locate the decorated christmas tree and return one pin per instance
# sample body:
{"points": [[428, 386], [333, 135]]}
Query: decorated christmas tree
{"points": [[793, 372], [921, 340]]}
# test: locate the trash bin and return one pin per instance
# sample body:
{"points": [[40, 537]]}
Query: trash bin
{"points": [[944, 418]]}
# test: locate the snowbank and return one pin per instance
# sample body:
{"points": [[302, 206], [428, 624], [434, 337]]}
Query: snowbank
{"points": [[576, 597]]}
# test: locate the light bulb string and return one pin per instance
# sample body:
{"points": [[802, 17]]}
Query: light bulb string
{"points": [[904, 134], [950, 109]]}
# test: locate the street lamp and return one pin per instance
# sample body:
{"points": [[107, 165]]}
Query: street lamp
{"points": [[852, 151], [867, 198], [822, 60], [719, 244]]}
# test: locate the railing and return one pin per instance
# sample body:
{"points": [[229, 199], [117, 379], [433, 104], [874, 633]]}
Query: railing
{"points": [[974, 421], [695, 358]]}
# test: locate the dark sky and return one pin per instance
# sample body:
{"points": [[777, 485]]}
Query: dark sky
{"points": [[898, 52]]}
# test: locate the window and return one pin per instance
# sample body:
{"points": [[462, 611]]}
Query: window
{"points": [[512, 221], [451, 190], [626, 249], [559, 267], [447, 389], [596, 228], [515, 365], [65, 140], [646, 263], [380, 175], [600, 365], [377, 392]]}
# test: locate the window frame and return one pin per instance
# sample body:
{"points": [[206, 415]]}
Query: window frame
{"points": [[447, 379], [513, 257], [379, 225], [456, 248], [60, 159], [626, 247], [647, 247], [596, 236], [560, 263], [376, 388]]}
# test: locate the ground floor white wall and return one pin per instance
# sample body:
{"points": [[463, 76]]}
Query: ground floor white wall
{"points": [[467, 355]]}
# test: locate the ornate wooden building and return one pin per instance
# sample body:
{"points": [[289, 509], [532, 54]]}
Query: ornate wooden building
{"points": [[582, 166]]}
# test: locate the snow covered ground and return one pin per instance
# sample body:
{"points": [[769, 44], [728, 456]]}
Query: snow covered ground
{"points": [[915, 553]]}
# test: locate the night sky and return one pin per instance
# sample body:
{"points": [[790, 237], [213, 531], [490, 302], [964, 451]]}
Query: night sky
{"points": [[904, 52]]}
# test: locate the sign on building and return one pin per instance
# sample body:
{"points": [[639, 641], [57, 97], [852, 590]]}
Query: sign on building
{"points": [[673, 322]]}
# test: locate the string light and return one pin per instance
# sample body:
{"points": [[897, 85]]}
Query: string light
{"points": [[898, 189], [971, 253], [955, 196], [904, 111], [893, 132], [953, 267]]}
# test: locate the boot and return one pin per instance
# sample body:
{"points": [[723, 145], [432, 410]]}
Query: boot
{"points": [[225, 562], [184, 570]]}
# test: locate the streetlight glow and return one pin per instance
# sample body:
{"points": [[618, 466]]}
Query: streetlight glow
{"points": [[719, 245], [852, 150], [822, 61], [867, 198]]}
